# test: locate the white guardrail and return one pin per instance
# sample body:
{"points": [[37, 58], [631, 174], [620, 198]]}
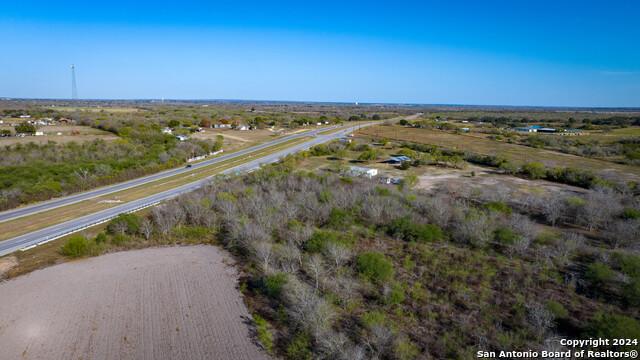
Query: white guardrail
{"points": [[57, 236]]}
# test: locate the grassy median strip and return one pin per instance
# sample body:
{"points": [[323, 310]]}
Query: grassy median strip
{"points": [[27, 224]]}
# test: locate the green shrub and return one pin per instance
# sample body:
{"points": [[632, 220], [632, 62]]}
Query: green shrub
{"points": [[76, 246], [557, 309], [615, 327], [405, 165], [346, 180], [265, 334], [396, 296], [374, 266], [129, 222], [499, 206], [504, 235], [405, 349], [321, 238], [599, 274], [101, 237], [119, 239], [631, 292], [410, 231], [298, 348], [372, 318], [534, 170], [630, 214], [275, 283], [383, 191], [629, 264], [194, 232], [340, 219]]}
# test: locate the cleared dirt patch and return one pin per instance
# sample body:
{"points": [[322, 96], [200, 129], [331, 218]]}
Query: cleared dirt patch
{"points": [[7, 263], [158, 303]]}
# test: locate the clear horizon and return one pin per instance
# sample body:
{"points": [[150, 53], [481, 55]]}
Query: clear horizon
{"points": [[573, 54]]}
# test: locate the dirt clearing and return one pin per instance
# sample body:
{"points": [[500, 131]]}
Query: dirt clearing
{"points": [[7, 263], [157, 303]]}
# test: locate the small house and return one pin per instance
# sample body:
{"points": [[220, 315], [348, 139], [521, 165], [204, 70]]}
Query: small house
{"points": [[39, 133], [166, 131], [360, 171]]}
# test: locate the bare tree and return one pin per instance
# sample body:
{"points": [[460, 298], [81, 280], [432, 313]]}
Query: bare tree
{"points": [[161, 221], [523, 226], [540, 319], [315, 268], [308, 311], [601, 204], [262, 254], [119, 227], [337, 253], [474, 229], [624, 233], [552, 207], [289, 258], [146, 228]]}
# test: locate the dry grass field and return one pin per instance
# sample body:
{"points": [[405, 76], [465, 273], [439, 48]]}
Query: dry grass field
{"points": [[86, 133], [156, 303], [479, 143]]}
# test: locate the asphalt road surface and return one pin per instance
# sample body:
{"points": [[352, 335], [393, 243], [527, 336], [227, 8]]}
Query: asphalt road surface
{"points": [[68, 200], [62, 229]]}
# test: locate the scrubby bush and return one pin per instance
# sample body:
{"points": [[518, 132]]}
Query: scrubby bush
{"points": [[615, 327], [321, 238], [410, 231], [405, 349], [557, 309], [120, 239], [265, 334], [298, 348], [76, 246], [504, 235], [630, 214], [101, 237], [631, 292], [274, 284], [396, 295], [599, 274], [629, 264], [374, 266], [340, 219], [498, 206], [372, 318], [534, 170], [124, 223]]}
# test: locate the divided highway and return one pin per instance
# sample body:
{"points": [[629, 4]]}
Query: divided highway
{"points": [[59, 230], [68, 200]]}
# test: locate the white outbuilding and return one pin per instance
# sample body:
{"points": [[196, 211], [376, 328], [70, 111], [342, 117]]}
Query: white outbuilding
{"points": [[360, 171]]}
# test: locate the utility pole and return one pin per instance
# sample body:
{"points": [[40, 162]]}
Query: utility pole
{"points": [[74, 90]]}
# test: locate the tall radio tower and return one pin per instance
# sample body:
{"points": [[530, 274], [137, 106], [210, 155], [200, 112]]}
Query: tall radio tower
{"points": [[74, 90]]}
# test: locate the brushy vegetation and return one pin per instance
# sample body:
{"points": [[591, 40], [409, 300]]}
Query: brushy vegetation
{"points": [[353, 270], [31, 172], [76, 246]]}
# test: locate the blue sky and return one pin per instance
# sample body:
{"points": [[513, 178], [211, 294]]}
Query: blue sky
{"points": [[538, 53]]}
